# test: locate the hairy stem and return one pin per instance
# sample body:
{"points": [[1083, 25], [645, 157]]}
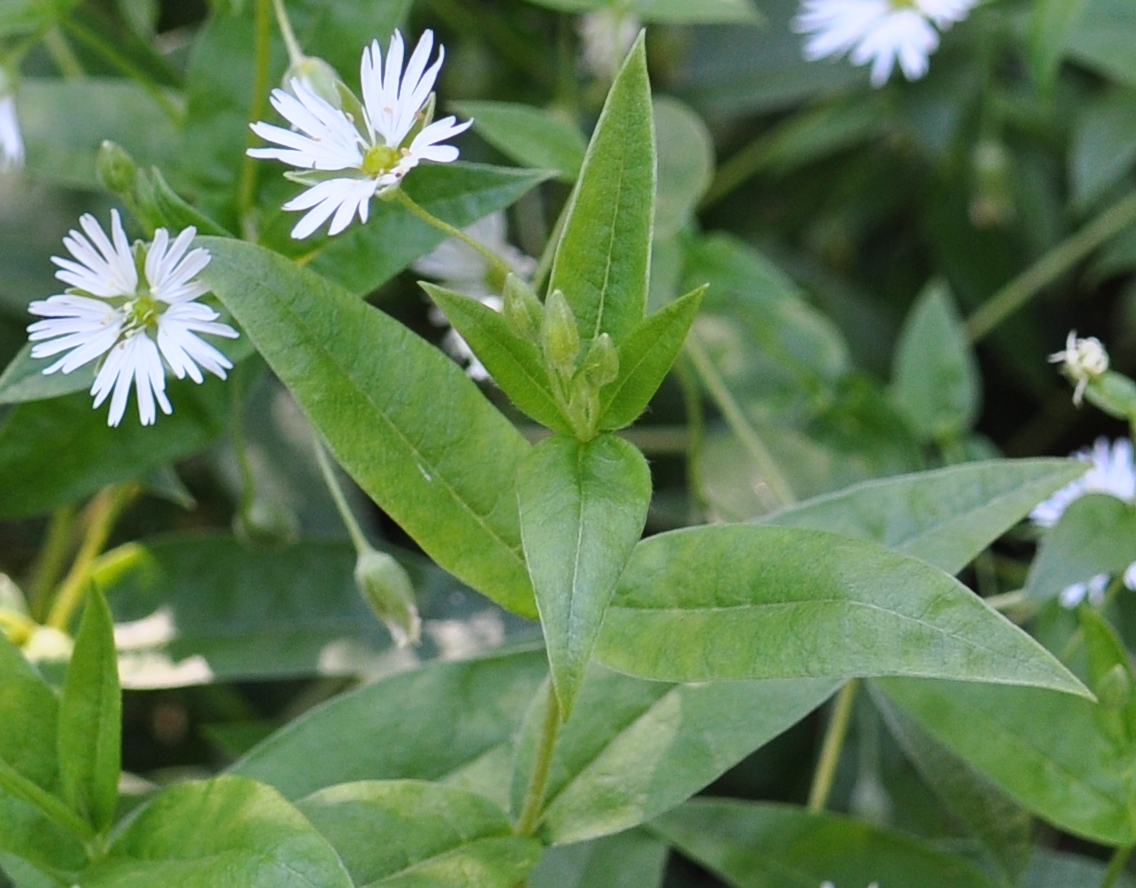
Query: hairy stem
{"points": [[538, 783], [349, 521], [1115, 866], [295, 54], [52, 558], [246, 188], [499, 265]]}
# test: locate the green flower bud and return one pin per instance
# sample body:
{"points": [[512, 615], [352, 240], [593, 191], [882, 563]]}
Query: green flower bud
{"points": [[559, 337], [601, 365], [265, 524], [583, 407], [523, 312], [116, 168], [386, 588], [317, 76], [1114, 687]]}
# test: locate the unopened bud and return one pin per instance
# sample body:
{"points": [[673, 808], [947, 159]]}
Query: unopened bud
{"points": [[1114, 687], [386, 588], [265, 524], [523, 312], [559, 336], [601, 365], [317, 76], [1083, 361], [583, 407], [116, 168]]}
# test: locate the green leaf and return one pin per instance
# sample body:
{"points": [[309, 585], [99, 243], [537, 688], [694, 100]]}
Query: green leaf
{"points": [[1057, 869], [945, 516], [1110, 677], [409, 833], [29, 714], [583, 507], [227, 832], [533, 137], [1001, 827], [90, 718], [603, 258], [200, 607], [935, 382], [631, 859], [1049, 28], [86, 454], [645, 358], [445, 473], [1045, 750], [1103, 145], [365, 256], [1096, 534], [686, 164], [739, 601], [669, 11], [23, 379], [515, 363], [634, 749], [429, 724], [770, 845], [1102, 39]]}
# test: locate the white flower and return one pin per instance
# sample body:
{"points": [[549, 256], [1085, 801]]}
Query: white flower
{"points": [[11, 143], [459, 267], [392, 137], [1083, 361], [878, 31], [606, 36], [1112, 471], [830, 885], [135, 323]]}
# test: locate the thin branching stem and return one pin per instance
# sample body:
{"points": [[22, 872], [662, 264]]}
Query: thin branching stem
{"points": [[500, 266], [834, 738]]}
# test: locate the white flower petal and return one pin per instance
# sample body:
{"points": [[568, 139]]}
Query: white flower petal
{"points": [[11, 142]]}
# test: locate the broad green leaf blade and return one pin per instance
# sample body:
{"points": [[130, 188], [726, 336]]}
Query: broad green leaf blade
{"points": [[1001, 827], [533, 137], [604, 255], [1096, 534], [945, 516], [631, 859], [423, 725], [769, 845], [935, 382], [85, 454], [1103, 143], [583, 507], [645, 358], [1057, 869], [1050, 25], [200, 607], [412, 833], [1045, 750], [634, 749], [739, 601], [1110, 677], [686, 164], [365, 256], [29, 714], [227, 832], [90, 718], [23, 379], [444, 473], [515, 364]]}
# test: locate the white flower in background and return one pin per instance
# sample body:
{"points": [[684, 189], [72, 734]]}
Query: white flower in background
{"points": [[881, 32], [392, 135], [830, 885], [459, 267], [606, 36], [1113, 472], [135, 323], [1083, 360], [11, 142]]}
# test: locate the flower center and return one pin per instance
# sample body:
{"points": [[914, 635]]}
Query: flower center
{"points": [[379, 159], [142, 312]]}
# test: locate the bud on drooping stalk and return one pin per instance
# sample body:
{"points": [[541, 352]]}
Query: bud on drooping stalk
{"points": [[317, 76], [386, 588], [559, 337], [265, 524], [116, 169], [1083, 361]]}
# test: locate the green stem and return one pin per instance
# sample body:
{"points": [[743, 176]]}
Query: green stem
{"points": [[833, 745], [538, 783], [15, 783], [696, 423], [336, 491], [52, 557], [246, 187], [62, 55], [1007, 600], [100, 515], [500, 266], [775, 481], [295, 54], [1115, 866], [1052, 265]]}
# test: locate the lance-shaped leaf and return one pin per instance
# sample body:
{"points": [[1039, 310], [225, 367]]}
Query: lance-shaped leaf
{"points": [[767, 845], [402, 419], [409, 833], [228, 832], [604, 255], [635, 858], [634, 749], [645, 358], [90, 718], [1096, 534], [24, 380], [744, 601], [583, 507], [515, 363], [945, 516]]}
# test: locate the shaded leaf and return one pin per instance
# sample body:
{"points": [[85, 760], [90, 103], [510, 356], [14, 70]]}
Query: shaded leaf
{"points": [[631, 859], [533, 137], [1096, 534]]}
